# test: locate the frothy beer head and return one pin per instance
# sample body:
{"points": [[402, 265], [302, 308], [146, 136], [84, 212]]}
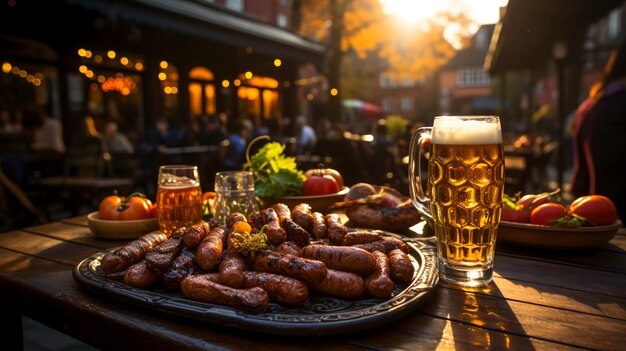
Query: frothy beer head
{"points": [[448, 130]]}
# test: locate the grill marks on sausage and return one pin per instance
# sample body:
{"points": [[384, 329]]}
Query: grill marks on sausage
{"points": [[378, 283], [309, 271], [320, 230], [183, 266], [123, 257], [360, 238], [162, 256], [193, 235], [386, 245], [341, 284], [284, 290], [303, 215], [282, 211], [202, 288], [141, 276], [402, 269], [343, 258], [336, 230], [296, 233], [275, 233], [209, 252]]}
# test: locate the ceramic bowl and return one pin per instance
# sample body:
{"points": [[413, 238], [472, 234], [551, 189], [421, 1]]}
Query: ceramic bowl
{"points": [[112, 229]]}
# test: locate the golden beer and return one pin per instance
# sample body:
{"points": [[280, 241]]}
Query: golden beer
{"points": [[464, 193], [465, 185], [178, 206], [179, 197]]}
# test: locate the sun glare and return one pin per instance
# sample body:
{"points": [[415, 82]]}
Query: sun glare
{"points": [[412, 11]]}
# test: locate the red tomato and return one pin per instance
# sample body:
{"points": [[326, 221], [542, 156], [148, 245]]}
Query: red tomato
{"points": [[326, 171], [527, 201], [320, 185], [121, 208], [547, 213], [598, 209], [518, 215]]}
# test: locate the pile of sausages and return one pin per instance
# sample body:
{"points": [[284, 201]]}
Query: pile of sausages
{"points": [[307, 251]]}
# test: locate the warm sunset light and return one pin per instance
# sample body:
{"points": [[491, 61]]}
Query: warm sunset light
{"points": [[414, 11]]}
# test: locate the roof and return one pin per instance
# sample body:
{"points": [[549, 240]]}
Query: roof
{"points": [[525, 35], [207, 21], [473, 55]]}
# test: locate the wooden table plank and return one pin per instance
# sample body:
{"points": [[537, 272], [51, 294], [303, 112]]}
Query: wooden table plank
{"points": [[48, 293], [80, 220], [75, 234], [46, 247], [521, 318]]}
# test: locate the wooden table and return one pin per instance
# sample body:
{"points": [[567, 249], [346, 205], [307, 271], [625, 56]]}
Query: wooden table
{"points": [[539, 300]]}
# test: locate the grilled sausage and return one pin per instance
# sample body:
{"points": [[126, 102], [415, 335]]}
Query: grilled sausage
{"points": [[378, 283], [162, 256], [140, 276], [121, 258], [289, 247], [303, 215], [340, 284], [282, 211], [232, 267], [309, 271], [320, 230], [178, 232], [343, 258], [336, 230], [284, 290], [385, 245], [296, 233], [402, 269], [119, 276], [234, 218], [275, 233], [193, 235], [209, 252], [201, 288], [184, 265], [256, 220], [360, 238]]}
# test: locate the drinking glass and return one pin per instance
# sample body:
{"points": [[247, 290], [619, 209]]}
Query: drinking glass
{"points": [[179, 197], [464, 193], [234, 192]]}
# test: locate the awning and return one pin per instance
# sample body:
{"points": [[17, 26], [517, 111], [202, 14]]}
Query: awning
{"points": [[207, 21], [368, 110], [525, 35]]}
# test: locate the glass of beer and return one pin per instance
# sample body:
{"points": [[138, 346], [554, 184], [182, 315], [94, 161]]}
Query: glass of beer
{"points": [[464, 193], [179, 197]]}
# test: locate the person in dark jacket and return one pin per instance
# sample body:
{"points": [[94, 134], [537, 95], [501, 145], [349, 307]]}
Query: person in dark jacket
{"points": [[600, 136]]}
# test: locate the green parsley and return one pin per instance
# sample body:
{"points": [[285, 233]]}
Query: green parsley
{"points": [[275, 175]]}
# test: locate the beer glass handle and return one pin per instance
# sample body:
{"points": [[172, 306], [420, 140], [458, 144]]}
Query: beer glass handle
{"points": [[419, 199]]}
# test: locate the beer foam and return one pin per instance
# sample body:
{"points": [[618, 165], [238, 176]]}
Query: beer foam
{"points": [[462, 131]]}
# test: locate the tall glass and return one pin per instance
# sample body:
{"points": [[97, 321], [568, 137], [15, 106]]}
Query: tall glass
{"points": [[179, 197], [234, 193], [464, 193]]}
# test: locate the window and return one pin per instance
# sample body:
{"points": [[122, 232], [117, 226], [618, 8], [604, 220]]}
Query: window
{"points": [[472, 77], [407, 81], [281, 20], [236, 5], [384, 80], [201, 92], [258, 97], [406, 104], [388, 104]]}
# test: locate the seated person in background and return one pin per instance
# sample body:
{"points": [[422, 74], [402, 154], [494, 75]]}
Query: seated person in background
{"points": [[600, 136], [46, 133], [212, 133], [114, 141], [305, 135], [234, 158]]}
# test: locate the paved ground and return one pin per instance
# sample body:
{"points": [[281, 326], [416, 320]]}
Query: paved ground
{"points": [[38, 337]]}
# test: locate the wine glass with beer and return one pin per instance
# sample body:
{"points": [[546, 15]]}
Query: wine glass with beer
{"points": [[464, 193], [179, 197]]}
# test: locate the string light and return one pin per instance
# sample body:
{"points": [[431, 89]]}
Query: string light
{"points": [[334, 91], [111, 54], [164, 64], [82, 52], [248, 75], [225, 83], [162, 76], [277, 62], [124, 61]]}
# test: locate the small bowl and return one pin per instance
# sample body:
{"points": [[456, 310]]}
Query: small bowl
{"points": [[546, 237], [113, 229], [319, 203]]}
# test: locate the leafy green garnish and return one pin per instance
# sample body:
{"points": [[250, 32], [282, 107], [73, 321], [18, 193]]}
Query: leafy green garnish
{"points": [[249, 245], [275, 175]]}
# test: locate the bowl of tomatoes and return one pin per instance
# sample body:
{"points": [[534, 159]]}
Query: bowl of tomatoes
{"points": [[318, 203], [541, 221], [120, 217]]}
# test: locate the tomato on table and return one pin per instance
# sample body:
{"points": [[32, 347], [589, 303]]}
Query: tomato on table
{"points": [[326, 171], [598, 209], [121, 208], [547, 213], [320, 185]]}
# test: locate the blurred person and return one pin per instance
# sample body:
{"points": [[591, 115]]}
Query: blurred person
{"points": [[600, 136], [235, 153], [305, 135], [193, 133], [45, 132], [115, 141], [382, 155], [213, 133]]}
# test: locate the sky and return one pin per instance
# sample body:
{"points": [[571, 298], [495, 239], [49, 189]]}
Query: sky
{"points": [[412, 11]]}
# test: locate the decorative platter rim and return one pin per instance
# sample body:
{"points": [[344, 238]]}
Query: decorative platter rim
{"points": [[319, 316]]}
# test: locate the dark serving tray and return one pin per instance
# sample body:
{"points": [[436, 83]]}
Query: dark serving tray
{"points": [[320, 315]]}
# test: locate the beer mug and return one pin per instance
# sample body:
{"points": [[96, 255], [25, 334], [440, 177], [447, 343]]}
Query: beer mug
{"points": [[179, 197], [464, 193], [234, 193]]}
